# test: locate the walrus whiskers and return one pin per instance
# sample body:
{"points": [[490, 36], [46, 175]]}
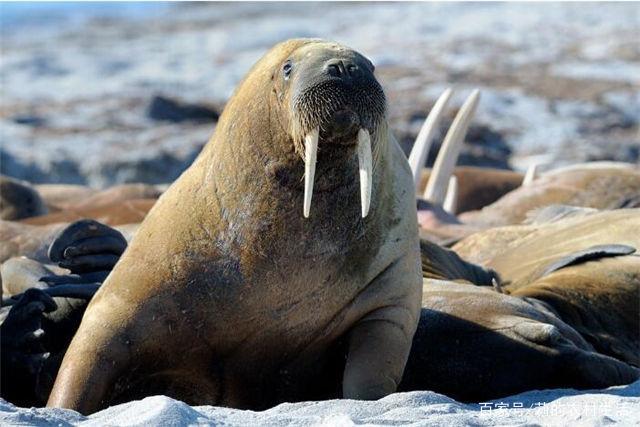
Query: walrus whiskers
{"points": [[450, 150], [310, 157], [365, 167], [422, 144]]}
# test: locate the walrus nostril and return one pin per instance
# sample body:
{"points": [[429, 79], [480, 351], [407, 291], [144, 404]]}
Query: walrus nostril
{"points": [[341, 69], [353, 70], [335, 69]]}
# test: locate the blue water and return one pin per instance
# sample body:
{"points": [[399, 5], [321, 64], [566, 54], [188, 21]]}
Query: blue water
{"points": [[22, 15]]}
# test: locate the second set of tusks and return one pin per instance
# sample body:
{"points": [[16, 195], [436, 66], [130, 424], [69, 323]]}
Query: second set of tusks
{"points": [[442, 186], [365, 166]]}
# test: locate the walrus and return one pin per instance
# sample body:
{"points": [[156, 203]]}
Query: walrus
{"points": [[62, 197], [119, 212], [294, 231], [477, 186], [475, 344], [585, 186], [19, 200], [33, 241], [605, 187], [508, 341], [582, 264], [599, 185], [553, 304]]}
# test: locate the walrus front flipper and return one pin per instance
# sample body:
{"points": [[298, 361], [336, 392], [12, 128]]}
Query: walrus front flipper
{"points": [[444, 264], [24, 356], [89, 249], [589, 254], [87, 246]]}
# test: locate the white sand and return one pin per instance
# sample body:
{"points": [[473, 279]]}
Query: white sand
{"points": [[616, 405]]}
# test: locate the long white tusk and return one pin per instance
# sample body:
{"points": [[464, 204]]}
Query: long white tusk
{"points": [[310, 156], [531, 175], [365, 165], [450, 150], [451, 200], [422, 145]]}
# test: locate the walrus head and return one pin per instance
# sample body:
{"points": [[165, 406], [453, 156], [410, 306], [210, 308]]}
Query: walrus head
{"points": [[334, 101], [305, 99]]}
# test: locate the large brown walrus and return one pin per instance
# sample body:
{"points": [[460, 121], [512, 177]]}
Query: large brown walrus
{"points": [[249, 282]]}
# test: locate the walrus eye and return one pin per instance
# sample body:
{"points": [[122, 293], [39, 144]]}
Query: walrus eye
{"points": [[286, 69]]}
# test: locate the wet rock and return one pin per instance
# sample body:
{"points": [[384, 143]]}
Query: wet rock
{"points": [[29, 120], [167, 109], [159, 168]]}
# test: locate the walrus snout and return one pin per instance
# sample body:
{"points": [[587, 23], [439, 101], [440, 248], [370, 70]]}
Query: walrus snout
{"points": [[334, 89], [344, 69], [335, 100], [341, 129]]}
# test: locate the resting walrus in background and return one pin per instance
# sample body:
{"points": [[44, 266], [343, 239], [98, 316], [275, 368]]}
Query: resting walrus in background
{"points": [[565, 314], [245, 278], [18, 200], [586, 185]]}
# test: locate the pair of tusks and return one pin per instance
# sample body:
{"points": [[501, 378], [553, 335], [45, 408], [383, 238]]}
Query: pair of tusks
{"points": [[365, 166], [442, 186]]}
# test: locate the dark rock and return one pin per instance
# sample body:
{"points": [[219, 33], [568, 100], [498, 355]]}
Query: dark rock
{"points": [[167, 109], [163, 167], [58, 171], [29, 120]]}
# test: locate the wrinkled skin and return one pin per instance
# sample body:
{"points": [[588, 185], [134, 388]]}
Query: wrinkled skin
{"points": [[475, 344], [248, 299], [599, 188], [595, 186]]}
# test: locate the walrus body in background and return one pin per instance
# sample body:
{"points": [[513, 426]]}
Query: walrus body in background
{"points": [[18, 200], [477, 186], [228, 295], [584, 264], [597, 186], [582, 185], [564, 313], [113, 213]]}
